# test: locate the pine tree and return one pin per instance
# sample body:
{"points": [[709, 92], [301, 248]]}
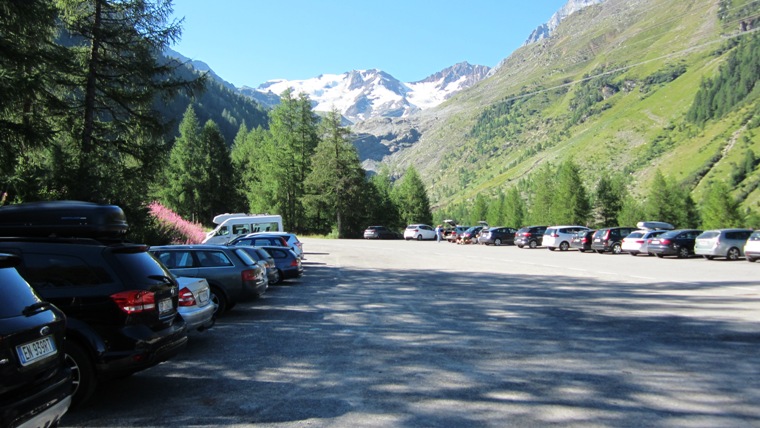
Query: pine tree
{"points": [[514, 209], [185, 173], [572, 206], [217, 194], [611, 193], [719, 208], [382, 208], [410, 196], [542, 196], [293, 139]]}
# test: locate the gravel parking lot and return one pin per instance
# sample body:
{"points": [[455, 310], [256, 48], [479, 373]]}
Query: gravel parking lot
{"points": [[422, 334]]}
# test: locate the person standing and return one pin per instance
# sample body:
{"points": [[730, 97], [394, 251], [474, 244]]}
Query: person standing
{"points": [[438, 233]]}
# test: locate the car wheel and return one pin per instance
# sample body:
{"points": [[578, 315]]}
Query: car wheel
{"points": [[219, 299], [616, 249], [633, 253], [708, 257], [659, 256], [551, 248], [563, 246], [533, 244], [520, 246], [277, 277], [683, 253], [419, 237], [497, 242], [733, 253], [82, 373], [750, 259], [581, 250]]}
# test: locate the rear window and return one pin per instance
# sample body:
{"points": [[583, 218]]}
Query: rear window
{"points": [[246, 258], [139, 266], [709, 235], [57, 270], [635, 235], [600, 233], [213, 259], [549, 231], [16, 293], [755, 236], [277, 254]]}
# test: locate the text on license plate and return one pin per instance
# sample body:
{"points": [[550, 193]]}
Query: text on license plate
{"points": [[33, 351], [203, 296], [165, 306]]}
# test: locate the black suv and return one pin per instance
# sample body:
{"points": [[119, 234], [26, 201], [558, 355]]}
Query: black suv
{"points": [[531, 236], [120, 302], [610, 239], [35, 382]]}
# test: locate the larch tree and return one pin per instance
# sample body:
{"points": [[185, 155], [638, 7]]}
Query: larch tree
{"points": [[572, 205], [335, 186], [411, 197], [114, 78], [719, 208]]}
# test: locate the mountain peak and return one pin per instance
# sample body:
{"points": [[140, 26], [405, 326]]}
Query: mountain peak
{"points": [[544, 30]]}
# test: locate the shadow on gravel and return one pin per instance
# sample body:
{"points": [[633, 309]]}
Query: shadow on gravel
{"points": [[440, 349]]}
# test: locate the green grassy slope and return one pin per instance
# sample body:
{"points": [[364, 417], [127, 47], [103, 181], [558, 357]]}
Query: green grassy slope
{"points": [[610, 90]]}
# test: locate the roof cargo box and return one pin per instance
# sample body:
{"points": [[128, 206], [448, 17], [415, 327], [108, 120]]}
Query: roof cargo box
{"points": [[62, 219], [654, 225]]}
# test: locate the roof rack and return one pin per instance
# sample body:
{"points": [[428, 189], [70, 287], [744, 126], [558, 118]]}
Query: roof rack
{"points": [[72, 219]]}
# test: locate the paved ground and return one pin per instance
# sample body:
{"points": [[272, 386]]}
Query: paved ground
{"points": [[420, 334]]}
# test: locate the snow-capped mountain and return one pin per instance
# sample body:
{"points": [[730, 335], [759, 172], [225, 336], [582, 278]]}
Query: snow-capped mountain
{"points": [[544, 30], [362, 94]]}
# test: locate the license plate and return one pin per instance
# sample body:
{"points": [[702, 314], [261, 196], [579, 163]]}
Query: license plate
{"points": [[33, 351], [598, 240], [165, 306], [203, 297], [656, 241]]}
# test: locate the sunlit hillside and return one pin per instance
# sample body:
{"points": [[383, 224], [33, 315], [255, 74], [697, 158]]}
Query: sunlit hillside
{"points": [[610, 90]]}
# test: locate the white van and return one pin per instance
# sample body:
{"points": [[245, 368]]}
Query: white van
{"points": [[230, 226]]}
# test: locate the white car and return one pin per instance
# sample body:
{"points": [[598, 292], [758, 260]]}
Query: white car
{"points": [[637, 241], [195, 305], [752, 247], [560, 236], [419, 232]]}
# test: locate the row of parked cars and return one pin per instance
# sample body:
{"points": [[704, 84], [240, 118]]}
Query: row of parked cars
{"points": [[82, 305], [647, 238]]}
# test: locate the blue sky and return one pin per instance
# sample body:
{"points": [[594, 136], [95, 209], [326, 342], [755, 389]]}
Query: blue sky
{"points": [[248, 42]]}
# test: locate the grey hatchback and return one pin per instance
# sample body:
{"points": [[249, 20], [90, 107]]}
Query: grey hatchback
{"points": [[231, 273]]}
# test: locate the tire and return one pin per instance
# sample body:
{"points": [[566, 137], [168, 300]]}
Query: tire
{"points": [[220, 300], [751, 259], [533, 244], [83, 376], [683, 253], [277, 277], [497, 242], [616, 248], [419, 237], [551, 248], [659, 256], [633, 253], [563, 246], [708, 257], [600, 251], [733, 253], [520, 246], [582, 250]]}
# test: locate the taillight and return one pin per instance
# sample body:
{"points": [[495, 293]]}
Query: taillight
{"points": [[135, 301], [555, 235], [249, 275], [607, 234], [665, 241], [186, 297], [639, 241], [294, 263]]}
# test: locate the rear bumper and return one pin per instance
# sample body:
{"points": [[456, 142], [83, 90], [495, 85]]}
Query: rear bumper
{"points": [[149, 348], [292, 273], [44, 408], [198, 318]]}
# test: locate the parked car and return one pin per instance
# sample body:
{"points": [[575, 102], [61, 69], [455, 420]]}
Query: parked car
{"points": [[231, 273], [195, 305], [259, 241], [531, 236], [498, 236], [291, 241], [752, 247], [728, 243], [419, 232], [637, 241], [120, 302], [288, 265], [560, 236], [452, 235], [35, 382], [679, 242], [265, 260], [610, 239], [380, 232], [582, 240], [470, 235]]}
